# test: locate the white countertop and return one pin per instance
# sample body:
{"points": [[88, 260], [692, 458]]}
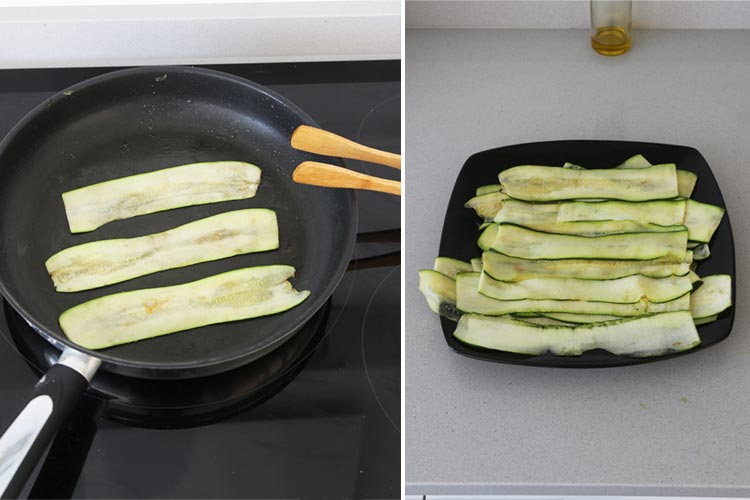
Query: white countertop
{"points": [[678, 427]]}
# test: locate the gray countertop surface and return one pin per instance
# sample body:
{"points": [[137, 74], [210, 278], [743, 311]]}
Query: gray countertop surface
{"points": [[679, 427]]}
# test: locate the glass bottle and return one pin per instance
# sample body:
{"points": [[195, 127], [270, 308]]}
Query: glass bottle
{"points": [[610, 26]]}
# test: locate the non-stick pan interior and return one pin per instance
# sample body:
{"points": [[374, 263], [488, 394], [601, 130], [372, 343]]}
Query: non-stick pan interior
{"points": [[145, 119]]}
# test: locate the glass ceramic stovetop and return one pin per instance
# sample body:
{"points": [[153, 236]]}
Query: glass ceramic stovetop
{"points": [[319, 418]]}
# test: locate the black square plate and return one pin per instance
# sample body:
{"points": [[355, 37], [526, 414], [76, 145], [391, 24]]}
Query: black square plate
{"points": [[460, 230]]}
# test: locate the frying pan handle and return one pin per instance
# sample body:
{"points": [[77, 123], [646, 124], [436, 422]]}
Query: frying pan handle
{"points": [[53, 397]]}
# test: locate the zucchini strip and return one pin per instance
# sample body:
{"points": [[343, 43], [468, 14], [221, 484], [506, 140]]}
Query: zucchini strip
{"points": [[637, 161], [476, 265], [469, 300], [620, 290], [662, 212], [504, 268], [105, 262], [487, 205], [489, 188], [543, 321], [701, 252], [541, 183], [141, 314], [685, 179], [517, 241], [440, 292], [488, 236], [703, 321], [655, 335], [602, 227], [450, 267], [90, 207], [686, 183], [702, 220], [713, 297]]}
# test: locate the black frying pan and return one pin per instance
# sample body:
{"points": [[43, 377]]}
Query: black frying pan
{"points": [[133, 121]]}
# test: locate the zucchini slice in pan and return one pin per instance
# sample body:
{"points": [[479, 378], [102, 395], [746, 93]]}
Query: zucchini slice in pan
{"points": [[101, 263], [92, 206], [140, 314]]}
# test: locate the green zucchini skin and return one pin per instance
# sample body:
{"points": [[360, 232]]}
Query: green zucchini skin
{"points": [[504, 268], [619, 290], [543, 183], [105, 262], [90, 207], [543, 320], [654, 335], [517, 241], [142, 314], [581, 318]]}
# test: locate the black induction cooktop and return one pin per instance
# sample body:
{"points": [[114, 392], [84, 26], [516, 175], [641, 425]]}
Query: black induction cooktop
{"points": [[319, 418]]}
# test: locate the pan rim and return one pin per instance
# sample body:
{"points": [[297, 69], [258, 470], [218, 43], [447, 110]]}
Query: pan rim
{"points": [[223, 363]]}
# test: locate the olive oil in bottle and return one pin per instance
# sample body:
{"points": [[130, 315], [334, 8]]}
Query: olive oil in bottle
{"points": [[610, 26], [611, 40]]}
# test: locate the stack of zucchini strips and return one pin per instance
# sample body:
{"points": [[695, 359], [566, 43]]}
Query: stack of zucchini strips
{"points": [[574, 259]]}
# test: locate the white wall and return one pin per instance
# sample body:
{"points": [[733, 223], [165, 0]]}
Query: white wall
{"points": [[568, 14], [65, 33]]}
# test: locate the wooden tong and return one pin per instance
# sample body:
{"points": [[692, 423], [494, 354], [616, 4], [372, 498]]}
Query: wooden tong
{"points": [[315, 140]]}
